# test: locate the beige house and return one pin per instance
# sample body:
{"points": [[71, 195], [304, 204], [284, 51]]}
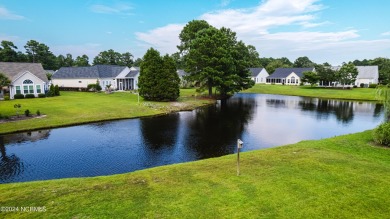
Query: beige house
{"points": [[26, 78], [117, 77]]}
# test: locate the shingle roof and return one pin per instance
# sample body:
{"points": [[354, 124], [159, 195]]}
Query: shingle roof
{"points": [[284, 72], [14, 69], [368, 72], [97, 71], [181, 73], [132, 73], [255, 71]]}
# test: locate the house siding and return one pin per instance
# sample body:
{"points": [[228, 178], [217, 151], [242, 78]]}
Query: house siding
{"points": [[36, 83]]}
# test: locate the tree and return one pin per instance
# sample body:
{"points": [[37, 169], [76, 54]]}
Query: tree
{"points": [[158, 79], [347, 74], [212, 58], [137, 62], [274, 64], [81, 61], [303, 62], [4, 81], [310, 77], [383, 95], [126, 59], [109, 57], [7, 52], [326, 74], [40, 53], [254, 57]]}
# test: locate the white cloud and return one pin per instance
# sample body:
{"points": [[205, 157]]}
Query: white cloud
{"points": [[225, 3], [258, 26], [386, 33], [164, 39], [8, 15], [123, 9]]}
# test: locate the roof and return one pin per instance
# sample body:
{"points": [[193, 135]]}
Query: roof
{"points": [[181, 72], [96, 71], [367, 72], [284, 72], [14, 69], [132, 73], [255, 71]]}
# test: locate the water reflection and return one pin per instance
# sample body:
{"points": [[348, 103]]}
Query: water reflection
{"points": [[215, 130], [105, 148]]}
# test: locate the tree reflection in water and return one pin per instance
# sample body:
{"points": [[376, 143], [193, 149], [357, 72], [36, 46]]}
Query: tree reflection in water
{"points": [[10, 165]]}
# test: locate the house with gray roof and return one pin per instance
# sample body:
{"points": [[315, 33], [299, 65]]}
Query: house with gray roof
{"points": [[288, 76], [259, 75], [117, 77], [26, 78], [366, 75]]}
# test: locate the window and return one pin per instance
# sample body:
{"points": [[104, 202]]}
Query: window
{"points": [[31, 89], [25, 89], [79, 81], [18, 90], [27, 81], [38, 89], [292, 80]]}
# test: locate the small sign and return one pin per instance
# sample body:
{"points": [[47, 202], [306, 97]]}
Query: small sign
{"points": [[239, 143]]}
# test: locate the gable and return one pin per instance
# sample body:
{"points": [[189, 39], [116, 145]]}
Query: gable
{"points": [[20, 78], [13, 70]]}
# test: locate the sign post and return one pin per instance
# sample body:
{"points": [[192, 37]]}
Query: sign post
{"points": [[239, 146]]}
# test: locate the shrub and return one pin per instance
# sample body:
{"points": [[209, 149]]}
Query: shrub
{"points": [[29, 96], [38, 113], [361, 85], [372, 85], [6, 97], [56, 90], [41, 95], [381, 134], [27, 112], [18, 96]]}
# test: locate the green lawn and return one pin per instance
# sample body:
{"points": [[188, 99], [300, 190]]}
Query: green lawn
{"points": [[307, 91], [80, 107], [341, 177]]}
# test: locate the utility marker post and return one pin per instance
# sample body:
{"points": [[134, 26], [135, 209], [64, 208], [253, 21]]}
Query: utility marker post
{"points": [[239, 146]]}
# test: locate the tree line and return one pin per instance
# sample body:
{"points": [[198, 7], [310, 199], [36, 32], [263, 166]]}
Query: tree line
{"points": [[36, 52]]}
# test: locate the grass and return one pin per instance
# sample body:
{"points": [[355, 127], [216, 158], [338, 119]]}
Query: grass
{"points": [[367, 94], [341, 177], [73, 108]]}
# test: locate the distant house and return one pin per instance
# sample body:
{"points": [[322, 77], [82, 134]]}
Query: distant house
{"points": [[26, 78], [259, 75], [288, 76], [366, 75], [118, 77], [182, 75]]}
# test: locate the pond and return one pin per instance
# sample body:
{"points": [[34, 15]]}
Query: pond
{"points": [[107, 148]]}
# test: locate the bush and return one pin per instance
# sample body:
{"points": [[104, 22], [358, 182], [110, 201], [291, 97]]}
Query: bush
{"points": [[27, 112], [18, 96], [372, 85], [41, 95], [56, 90], [38, 113], [361, 85], [6, 97], [29, 96], [381, 134]]}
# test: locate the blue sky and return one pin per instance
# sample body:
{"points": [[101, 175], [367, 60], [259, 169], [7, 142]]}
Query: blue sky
{"points": [[333, 31]]}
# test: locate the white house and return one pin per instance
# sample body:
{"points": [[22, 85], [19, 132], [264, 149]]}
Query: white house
{"points": [[288, 76], [26, 78], [259, 75], [366, 75], [118, 77]]}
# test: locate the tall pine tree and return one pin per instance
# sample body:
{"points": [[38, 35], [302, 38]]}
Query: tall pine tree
{"points": [[158, 78]]}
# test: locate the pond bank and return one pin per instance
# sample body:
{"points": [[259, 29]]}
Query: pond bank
{"points": [[75, 108], [345, 176]]}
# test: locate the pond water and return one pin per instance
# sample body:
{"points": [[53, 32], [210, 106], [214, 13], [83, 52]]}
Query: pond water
{"points": [[106, 148]]}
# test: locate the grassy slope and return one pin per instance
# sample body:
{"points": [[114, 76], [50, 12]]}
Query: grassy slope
{"points": [[340, 177], [353, 94], [79, 107]]}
